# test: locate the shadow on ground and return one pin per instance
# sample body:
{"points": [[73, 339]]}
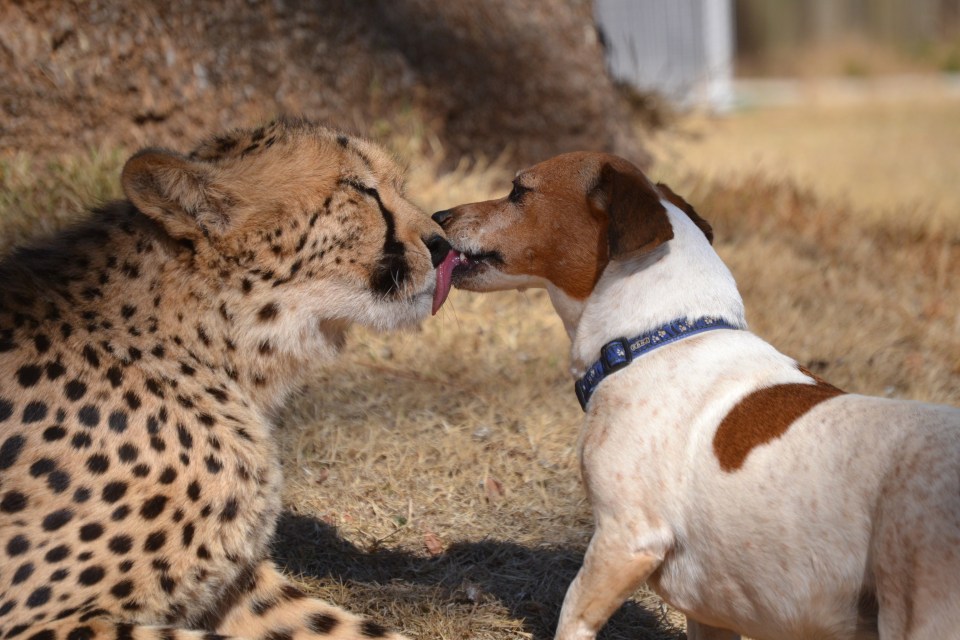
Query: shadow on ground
{"points": [[528, 582]]}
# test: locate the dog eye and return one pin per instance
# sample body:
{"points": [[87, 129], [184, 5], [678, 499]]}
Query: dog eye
{"points": [[517, 193]]}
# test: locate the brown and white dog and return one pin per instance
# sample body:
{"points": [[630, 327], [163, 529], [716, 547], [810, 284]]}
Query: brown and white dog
{"points": [[751, 495]]}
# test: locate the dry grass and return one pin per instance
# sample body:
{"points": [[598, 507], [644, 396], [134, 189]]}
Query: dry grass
{"points": [[853, 57], [864, 253], [40, 198], [857, 145], [432, 480]]}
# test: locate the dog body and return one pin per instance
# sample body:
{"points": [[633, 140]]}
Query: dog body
{"points": [[780, 544], [748, 493]]}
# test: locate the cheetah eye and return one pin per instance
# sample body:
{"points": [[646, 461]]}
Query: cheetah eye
{"points": [[360, 187]]}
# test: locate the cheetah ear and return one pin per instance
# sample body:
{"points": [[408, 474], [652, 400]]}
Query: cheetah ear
{"points": [[636, 219], [182, 195]]}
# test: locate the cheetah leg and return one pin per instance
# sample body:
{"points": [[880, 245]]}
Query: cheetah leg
{"points": [[274, 609], [81, 628]]}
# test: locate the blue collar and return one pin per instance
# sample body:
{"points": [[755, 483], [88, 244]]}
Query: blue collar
{"points": [[617, 354]]}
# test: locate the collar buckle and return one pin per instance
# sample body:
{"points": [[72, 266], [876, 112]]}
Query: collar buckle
{"points": [[583, 393], [615, 355]]}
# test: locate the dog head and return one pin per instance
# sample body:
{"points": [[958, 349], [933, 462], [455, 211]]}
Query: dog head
{"points": [[561, 223]]}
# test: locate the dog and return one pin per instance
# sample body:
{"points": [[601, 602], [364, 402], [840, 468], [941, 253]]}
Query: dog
{"points": [[750, 494]]}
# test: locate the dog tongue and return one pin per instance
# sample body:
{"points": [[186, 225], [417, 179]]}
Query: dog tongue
{"points": [[444, 275]]}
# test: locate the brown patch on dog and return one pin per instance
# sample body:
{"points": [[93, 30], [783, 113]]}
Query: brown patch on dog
{"points": [[636, 219], [686, 207], [764, 415], [817, 378]]}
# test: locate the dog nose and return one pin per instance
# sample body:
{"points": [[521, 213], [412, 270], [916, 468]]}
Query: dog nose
{"points": [[439, 248], [442, 216]]}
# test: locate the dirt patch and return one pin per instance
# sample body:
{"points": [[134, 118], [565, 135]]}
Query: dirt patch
{"points": [[521, 78]]}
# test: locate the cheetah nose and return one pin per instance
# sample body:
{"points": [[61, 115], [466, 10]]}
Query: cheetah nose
{"points": [[440, 217], [439, 248]]}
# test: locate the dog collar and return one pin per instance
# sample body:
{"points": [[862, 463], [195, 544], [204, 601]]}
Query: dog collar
{"points": [[617, 354]]}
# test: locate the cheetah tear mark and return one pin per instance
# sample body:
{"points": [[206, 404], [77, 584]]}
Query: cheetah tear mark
{"points": [[392, 269]]}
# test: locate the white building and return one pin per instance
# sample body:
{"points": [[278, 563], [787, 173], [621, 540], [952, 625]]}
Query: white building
{"points": [[682, 49]]}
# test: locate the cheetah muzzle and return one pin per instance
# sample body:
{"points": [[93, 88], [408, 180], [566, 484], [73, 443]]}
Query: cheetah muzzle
{"points": [[141, 353]]}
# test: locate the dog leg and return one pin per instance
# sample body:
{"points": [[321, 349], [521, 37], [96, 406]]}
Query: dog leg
{"points": [[697, 631], [611, 572], [920, 604], [915, 558]]}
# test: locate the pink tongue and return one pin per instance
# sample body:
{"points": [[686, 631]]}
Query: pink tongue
{"points": [[444, 275]]}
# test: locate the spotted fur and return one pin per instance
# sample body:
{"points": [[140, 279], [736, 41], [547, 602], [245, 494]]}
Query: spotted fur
{"points": [[141, 355]]}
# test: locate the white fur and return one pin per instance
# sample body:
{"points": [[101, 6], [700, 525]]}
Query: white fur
{"points": [[641, 294], [859, 493]]}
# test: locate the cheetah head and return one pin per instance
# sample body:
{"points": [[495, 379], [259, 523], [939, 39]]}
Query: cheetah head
{"points": [[312, 219]]}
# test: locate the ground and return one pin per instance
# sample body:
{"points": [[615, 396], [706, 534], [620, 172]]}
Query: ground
{"points": [[76, 75], [431, 476]]}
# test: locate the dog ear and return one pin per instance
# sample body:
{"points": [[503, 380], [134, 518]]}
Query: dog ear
{"points": [[636, 219], [685, 206], [180, 194]]}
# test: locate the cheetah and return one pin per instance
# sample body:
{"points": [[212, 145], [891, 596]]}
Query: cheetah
{"points": [[142, 355]]}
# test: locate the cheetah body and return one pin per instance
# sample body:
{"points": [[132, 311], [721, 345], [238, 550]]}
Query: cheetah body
{"points": [[142, 355]]}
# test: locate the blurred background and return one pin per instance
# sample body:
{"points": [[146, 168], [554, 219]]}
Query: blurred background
{"points": [[432, 479], [805, 89]]}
